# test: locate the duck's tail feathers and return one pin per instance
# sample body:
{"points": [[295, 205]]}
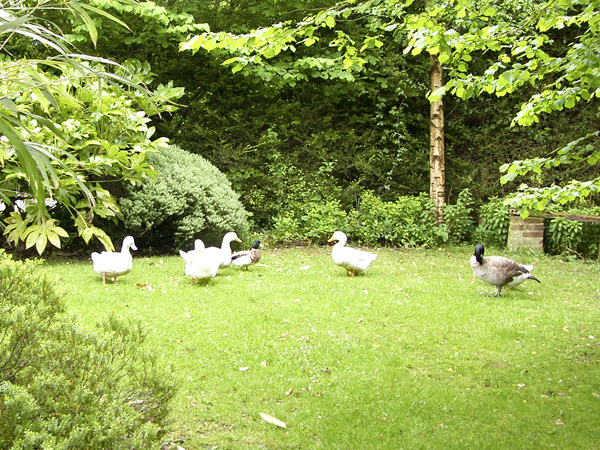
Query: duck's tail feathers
{"points": [[531, 277]]}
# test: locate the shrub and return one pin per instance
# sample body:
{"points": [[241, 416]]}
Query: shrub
{"points": [[67, 387], [314, 220], [408, 221], [190, 198], [562, 234], [458, 218], [495, 219], [570, 237]]}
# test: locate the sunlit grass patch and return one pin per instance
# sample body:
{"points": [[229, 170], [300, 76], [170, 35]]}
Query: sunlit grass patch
{"points": [[409, 354]]}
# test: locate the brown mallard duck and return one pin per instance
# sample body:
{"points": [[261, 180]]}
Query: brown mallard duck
{"points": [[245, 258]]}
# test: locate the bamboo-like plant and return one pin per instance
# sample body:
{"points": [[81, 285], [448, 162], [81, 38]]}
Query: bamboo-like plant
{"points": [[58, 116]]}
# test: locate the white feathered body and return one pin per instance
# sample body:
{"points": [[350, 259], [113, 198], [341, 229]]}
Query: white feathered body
{"points": [[114, 264], [202, 267], [223, 254], [351, 259], [190, 255]]}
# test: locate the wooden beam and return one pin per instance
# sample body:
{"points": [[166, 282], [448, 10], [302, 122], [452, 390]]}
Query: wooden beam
{"points": [[569, 216]]}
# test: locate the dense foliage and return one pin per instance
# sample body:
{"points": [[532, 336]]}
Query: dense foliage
{"points": [[491, 47], [190, 198], [307, 125], [63, 386], [68, 121], [407, 221], [574, 238], [495, 220]]}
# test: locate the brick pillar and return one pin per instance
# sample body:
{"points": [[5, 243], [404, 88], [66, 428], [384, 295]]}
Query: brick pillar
{"points": [[526, 234]]}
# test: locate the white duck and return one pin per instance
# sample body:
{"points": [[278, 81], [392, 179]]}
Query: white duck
{"points": [[499, 271], [223, 254], [190, 255], [353, 260], [201, 267], [247, 257], [114, 264]]}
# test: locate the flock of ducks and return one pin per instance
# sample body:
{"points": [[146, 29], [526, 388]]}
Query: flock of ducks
{"points": [[202, 264]]}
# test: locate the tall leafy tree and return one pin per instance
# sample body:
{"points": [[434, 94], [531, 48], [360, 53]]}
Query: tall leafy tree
{"points": [[526, 56], [488, 47], [344, 51]]}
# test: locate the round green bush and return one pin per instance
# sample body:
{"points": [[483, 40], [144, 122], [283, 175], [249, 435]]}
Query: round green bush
{"points": [[189, 199], [63, 386]]}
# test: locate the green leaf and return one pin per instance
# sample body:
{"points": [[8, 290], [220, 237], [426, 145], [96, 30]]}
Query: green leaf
{"points": [[444, 57], [570, 102], [593, 158], [437, 94], [230, 61], [12, 22], [209, 45], [416, 50], [89, 22], [16, 230], [32, 166], [105, 14]]}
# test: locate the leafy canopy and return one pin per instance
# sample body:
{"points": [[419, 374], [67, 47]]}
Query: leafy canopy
{"points": [[493, 47]]}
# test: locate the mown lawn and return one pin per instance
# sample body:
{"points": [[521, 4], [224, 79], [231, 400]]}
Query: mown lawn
{"points": [[410, 355]]}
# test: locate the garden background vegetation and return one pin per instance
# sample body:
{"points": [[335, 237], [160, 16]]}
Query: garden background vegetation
{"points": [[306, 150], [165, 120]]}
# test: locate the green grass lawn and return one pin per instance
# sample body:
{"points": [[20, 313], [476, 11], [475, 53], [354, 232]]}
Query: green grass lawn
{"points": [[410, 355]]}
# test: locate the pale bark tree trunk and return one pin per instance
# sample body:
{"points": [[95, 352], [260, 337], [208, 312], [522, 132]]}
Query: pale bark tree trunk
{"points": [[437, 161]]}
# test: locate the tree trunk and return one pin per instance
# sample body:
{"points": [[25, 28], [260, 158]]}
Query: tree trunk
{"points": [[437, 161]]}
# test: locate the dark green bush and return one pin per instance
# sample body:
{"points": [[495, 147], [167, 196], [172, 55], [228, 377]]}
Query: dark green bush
{"points": [[408, 221], [571, 237], [458, 218], [314, 221], [495, 218], [190, 198], [65, 387]]}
